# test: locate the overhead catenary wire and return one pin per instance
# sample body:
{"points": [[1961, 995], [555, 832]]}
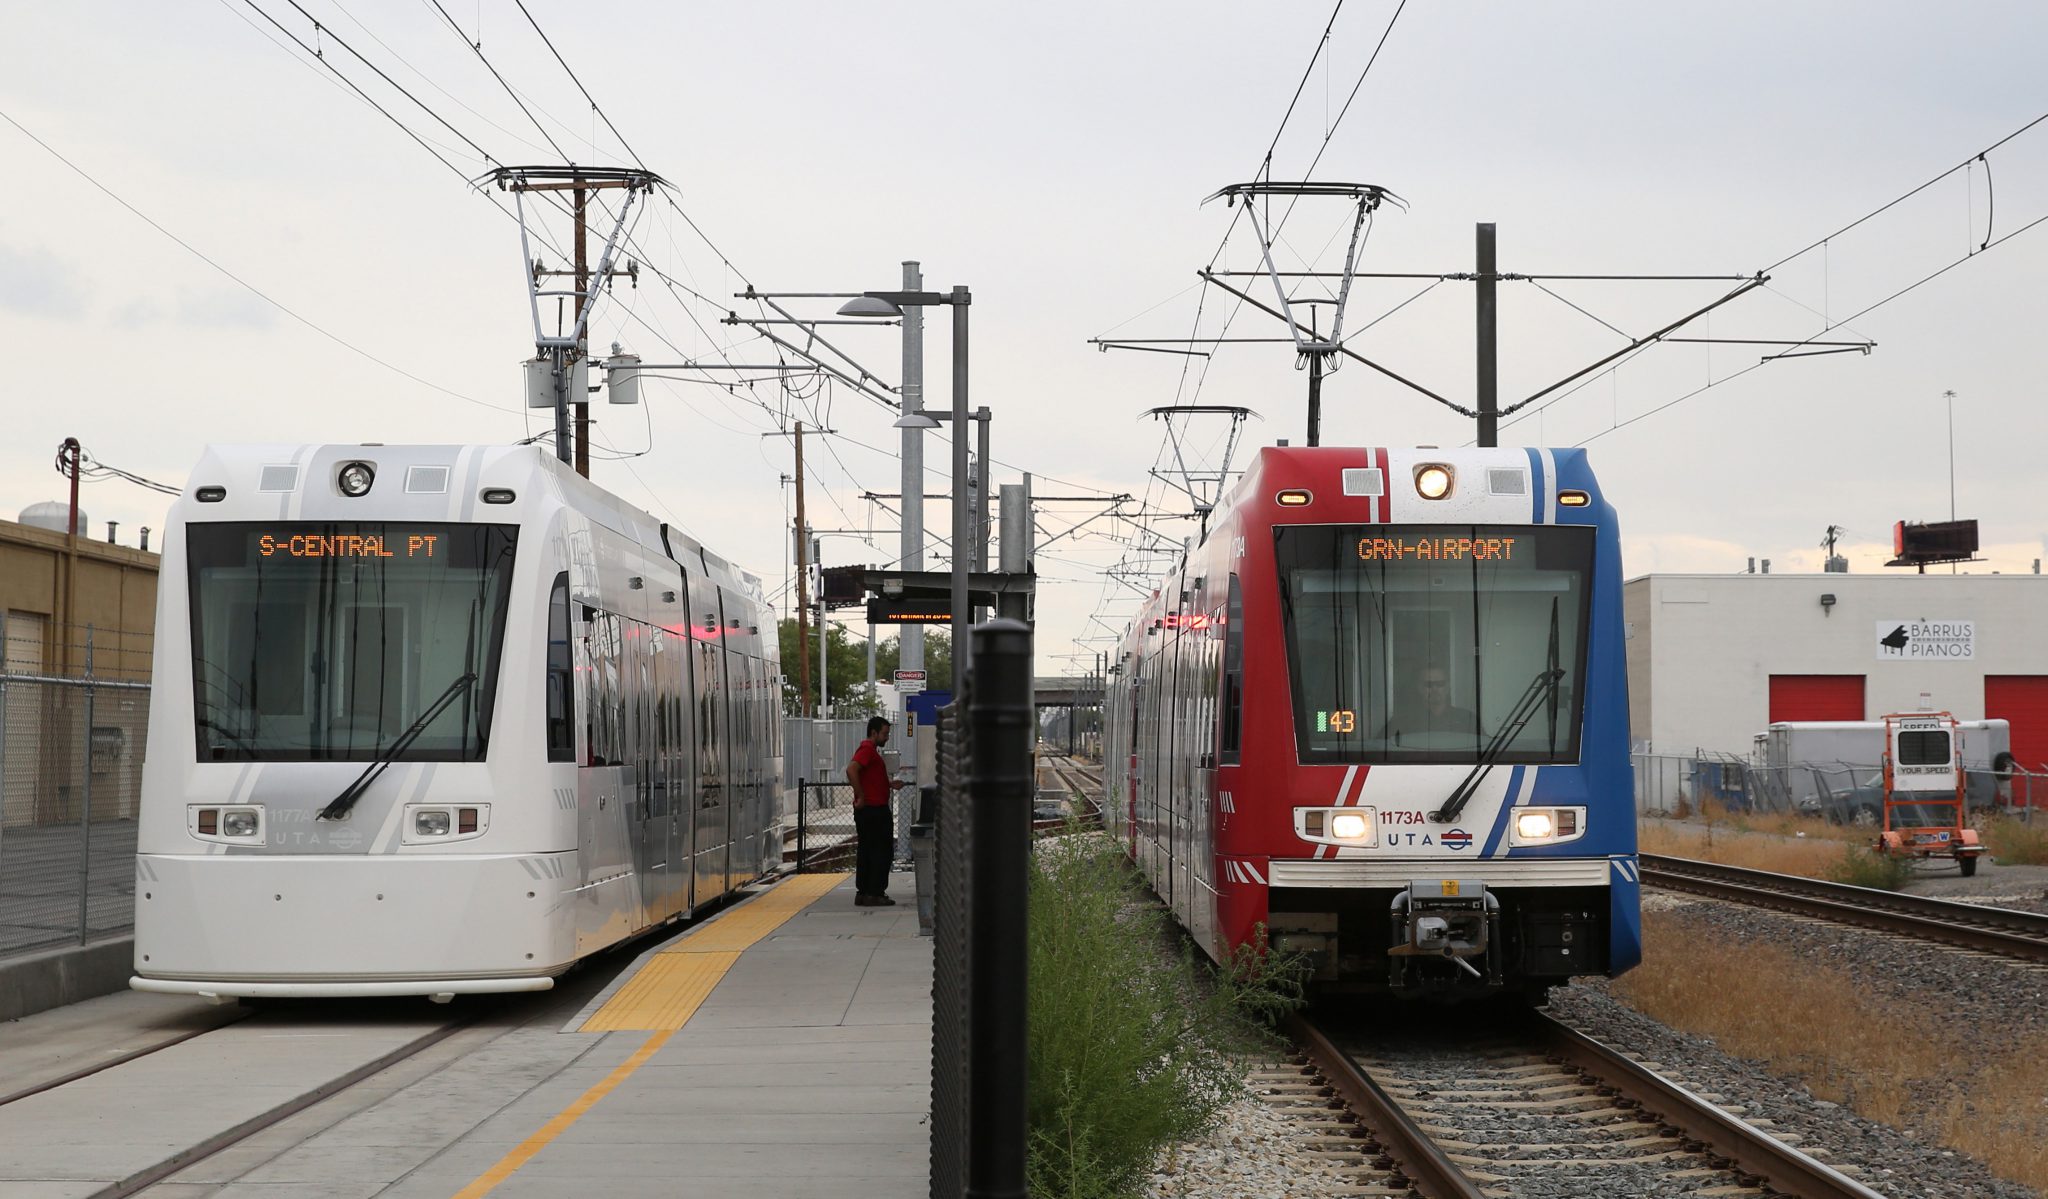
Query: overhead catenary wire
{"points": [[1189, 367], [259, 293], [1862, 312], [1829, 324]]}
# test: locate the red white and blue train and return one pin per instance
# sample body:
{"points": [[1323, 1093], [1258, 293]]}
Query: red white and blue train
{"points": [[1379, 716]]}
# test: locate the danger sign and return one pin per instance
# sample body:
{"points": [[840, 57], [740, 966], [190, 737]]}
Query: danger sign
{"points": [[909, 682]]}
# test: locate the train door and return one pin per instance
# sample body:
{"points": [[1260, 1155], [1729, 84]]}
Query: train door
{"points": [[687, 767], [1129, 747], [1178, 777], [768, 706], [650, 762], [762, 818], [632, 756], [746, 738], [710, 824], [738, 742], [1202, 733]]}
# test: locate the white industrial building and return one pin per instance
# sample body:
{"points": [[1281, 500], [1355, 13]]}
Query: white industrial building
{"points": [[1713, 659]]}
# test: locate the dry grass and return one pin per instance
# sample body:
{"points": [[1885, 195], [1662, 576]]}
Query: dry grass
{"points": [[1897, 1064], [2013, 843], [1806, 857]]}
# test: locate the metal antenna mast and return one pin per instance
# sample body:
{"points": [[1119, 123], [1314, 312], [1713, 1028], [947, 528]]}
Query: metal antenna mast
{"points": [[559, 355]]}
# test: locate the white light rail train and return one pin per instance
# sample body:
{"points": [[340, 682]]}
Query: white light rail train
{"points": [[439, 720]]}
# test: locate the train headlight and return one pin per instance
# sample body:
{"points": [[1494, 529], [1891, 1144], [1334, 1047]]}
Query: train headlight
{"points": [[431, 822], [238, 822], [355, 479], [1547, 826], [1338, 826], [1433, 482]]}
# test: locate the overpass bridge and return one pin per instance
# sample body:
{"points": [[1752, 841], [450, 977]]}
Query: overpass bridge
{"points": [[1066, 691]]}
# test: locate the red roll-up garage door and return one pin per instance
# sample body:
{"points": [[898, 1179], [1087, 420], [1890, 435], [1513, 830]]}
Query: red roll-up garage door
{"points": [[1816, 697], [2023, 700]]}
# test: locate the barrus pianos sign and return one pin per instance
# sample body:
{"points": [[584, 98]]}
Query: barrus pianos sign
{"points": [[1926, 640]]}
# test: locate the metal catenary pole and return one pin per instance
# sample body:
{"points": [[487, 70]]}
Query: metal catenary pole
{"points": [[985, 477], [803, 605], [962, 515], [910, 653], [1489, 347]]}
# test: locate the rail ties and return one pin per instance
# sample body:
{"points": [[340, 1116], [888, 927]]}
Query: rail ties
{"points": [[1418, 1159], [1080, 788], [2002, 931], [1534, 1099]]}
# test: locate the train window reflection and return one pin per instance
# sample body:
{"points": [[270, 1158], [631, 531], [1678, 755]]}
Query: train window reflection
{"points": [[324, 640], [1432, 643]]}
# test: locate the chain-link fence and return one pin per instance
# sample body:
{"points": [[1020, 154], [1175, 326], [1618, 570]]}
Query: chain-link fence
{"points": [[1839, 792], [74, 717], [824, 825], [819, 749]]}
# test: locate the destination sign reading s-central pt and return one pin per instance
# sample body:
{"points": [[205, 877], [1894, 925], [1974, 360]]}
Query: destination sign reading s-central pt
{"points": [[346, 545]]}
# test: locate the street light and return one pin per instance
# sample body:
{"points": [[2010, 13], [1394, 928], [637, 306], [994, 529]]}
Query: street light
{"points": [[892, 304]]}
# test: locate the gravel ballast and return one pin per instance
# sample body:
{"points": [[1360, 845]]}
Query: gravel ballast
{"points": [[1255, 1152]]}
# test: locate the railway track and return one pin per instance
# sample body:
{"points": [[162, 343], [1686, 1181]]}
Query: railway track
{"points": [[1459, 1113], [2002, 931], [141, 1174], [1082, 784]]}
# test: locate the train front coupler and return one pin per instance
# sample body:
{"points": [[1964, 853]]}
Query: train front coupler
{"points": [[1454, 919]]}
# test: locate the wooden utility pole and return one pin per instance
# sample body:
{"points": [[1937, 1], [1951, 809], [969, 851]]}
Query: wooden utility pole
{"points": [[582, 343], [565, 348], [803, 602]]}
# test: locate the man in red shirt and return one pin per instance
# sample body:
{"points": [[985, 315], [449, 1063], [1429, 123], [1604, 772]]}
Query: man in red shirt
{"points": [[874, 830]]}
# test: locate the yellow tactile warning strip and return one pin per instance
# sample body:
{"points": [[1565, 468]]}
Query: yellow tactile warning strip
{"points": [[661, 998], [669, 988], [488, 1181]]}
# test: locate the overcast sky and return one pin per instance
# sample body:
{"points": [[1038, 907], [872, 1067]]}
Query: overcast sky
{"points": [[1054, 157]]}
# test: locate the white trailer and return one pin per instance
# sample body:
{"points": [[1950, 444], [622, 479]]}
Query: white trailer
{"points": [[1835, 767]]}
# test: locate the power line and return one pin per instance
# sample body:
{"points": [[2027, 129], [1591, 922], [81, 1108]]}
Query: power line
{"points": [[478, 48], [1924, 279], [579, 84], [1897, 200], [259, 293], [89, 468], [400, 88], [1322, 44]]}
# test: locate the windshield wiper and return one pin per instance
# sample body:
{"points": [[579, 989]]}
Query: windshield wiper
{"points": [[1543, 685], [344, 803]]}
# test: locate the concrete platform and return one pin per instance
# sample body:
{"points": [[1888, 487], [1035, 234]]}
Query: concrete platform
{"points": [[804, 1071], [780, 1048]]}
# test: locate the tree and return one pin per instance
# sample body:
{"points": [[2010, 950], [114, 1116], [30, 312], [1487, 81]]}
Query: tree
{"points": [[846, 660]]}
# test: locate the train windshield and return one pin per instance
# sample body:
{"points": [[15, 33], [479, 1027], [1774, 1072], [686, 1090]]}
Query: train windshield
{"points": [[327, 640], [1436, 643]]}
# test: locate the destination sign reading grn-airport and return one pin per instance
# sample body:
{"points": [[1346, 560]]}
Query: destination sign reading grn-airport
{"points": [[1436, 549]]}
